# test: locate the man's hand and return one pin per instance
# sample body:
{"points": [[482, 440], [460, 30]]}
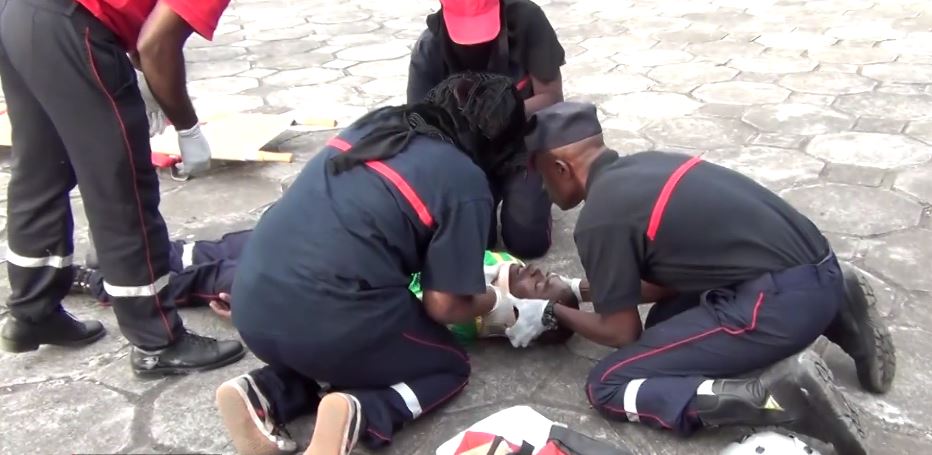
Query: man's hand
{"points": [[221, 306], [530, 322], [157, 120], [195, 151]]}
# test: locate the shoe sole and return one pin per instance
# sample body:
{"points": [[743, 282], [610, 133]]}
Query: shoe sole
{"points": [[177, 371], [829, 416], [18, 347], [877, 371], [337, 428], [240, 424]]}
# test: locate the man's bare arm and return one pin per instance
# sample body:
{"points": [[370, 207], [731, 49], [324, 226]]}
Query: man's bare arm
{"points": [[649, 292], [161, 58], [615, 330], [545, 94]]}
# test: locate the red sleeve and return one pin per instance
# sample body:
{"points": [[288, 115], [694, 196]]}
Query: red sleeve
{"points": [[201, 15]]}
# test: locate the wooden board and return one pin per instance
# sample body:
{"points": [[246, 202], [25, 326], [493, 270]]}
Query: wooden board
{"points": [[234, 137]]}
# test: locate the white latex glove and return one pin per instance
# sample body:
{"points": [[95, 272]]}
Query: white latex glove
{"points": [[195, 151], [529, 325], [503, 313], [573, 283], [157, 119]]}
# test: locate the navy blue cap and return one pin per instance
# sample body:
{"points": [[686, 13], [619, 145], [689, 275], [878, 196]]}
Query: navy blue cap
{"points": [[563, 124]]}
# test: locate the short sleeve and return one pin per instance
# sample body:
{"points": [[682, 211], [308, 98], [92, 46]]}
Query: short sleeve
{"points": [[607, 253], [202, 15], [425, 70], [543, 53], [456, 252]]}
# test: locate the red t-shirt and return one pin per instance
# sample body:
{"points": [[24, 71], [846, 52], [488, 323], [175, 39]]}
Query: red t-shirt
{"points": [[125, 17]]}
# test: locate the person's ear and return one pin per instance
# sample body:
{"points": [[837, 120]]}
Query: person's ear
{"points": [[563, 168]]}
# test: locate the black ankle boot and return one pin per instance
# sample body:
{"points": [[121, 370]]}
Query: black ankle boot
{"points": [[189, 353], [797, 393], [861, 333], [59, 329]]}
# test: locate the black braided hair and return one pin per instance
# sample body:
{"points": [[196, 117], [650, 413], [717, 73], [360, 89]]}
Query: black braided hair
{"points": [[481, 114]]}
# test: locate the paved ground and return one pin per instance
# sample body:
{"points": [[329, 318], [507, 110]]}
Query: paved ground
{"points": [[827, 102]]}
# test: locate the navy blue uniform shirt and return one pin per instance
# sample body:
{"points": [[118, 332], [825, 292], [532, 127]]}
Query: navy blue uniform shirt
{"points": [[684, 224], [333, 258]]}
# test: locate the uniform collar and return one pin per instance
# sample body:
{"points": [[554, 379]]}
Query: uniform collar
{"points": [[601, 162]]}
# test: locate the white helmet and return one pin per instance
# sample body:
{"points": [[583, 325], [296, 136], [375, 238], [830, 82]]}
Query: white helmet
{"points": [[769, 442]]}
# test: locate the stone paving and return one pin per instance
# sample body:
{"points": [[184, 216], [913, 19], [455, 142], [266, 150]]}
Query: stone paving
{"points": [[827, 102]]}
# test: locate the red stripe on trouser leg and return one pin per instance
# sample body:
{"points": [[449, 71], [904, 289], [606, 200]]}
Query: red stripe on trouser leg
{"points": [[132, 166], [656, 215]]}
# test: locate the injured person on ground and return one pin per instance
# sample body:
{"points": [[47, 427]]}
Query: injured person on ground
{"points": [[202, 274]]}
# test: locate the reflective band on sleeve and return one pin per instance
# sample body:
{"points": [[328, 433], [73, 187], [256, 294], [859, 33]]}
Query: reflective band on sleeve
{"points": [[187, 255], [58, 262], [148, 290], [410, 398], [631, 399]]}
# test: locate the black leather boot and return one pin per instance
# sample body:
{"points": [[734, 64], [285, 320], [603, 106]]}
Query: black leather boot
{"points": [[59, 329], [189, 353], [83, 276], [797, 393], [861, 333]]}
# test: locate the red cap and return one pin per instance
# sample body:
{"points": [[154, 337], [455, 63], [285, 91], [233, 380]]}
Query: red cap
{"points": [[472, 21]]}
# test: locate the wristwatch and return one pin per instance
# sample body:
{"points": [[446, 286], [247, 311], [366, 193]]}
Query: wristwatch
{"points": [[549, 319]]}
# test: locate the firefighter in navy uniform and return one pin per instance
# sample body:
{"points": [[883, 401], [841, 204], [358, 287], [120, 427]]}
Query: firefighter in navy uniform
{"points": [[743, 282], [512, 38], [78, 118]]}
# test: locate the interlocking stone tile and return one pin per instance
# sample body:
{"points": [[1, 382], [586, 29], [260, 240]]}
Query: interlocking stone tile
{"points": [[283, 48], [723, 51], [854, 175], [808, 98], [720, 17], [852, 55], [690, 35], [383, 68], [877, 211], [649, 25], [901, 88], [910, 73], [650, 105], [723, 110], [299, 61], [775, 168], [686, 76], [612, 83], [337, 17], [309, 76], [795, 40], [652, 57], [301, 29], [839, 68], [222, 85], [625, 142], [869, 31], [902, 255], [789, 141], [879, 125], [919, 43], [886, 105], [861, 149], [386, 86], [608, 46], [772, 64], [57, 407], [213, 53], [798, 119], [827, 83], [917, 183], [212, 105], [921, 130], [741, 92], [698, 133], [372, 52], [222, 68]]}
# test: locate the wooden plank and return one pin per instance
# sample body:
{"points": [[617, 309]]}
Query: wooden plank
{"points": [[235, 137]]}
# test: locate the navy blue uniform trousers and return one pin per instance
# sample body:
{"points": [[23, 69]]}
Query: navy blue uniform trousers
{"points": [[718, 334], [395, 380], [200, 270]]}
